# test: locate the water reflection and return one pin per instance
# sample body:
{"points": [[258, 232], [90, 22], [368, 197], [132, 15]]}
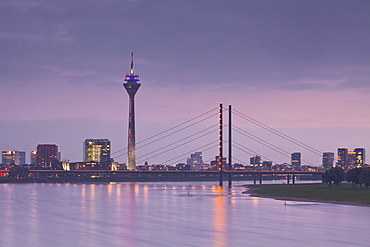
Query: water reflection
{"points": [[110, 189], [255, 201], [7, 212], [220, 235], [145, 195], [154, 214]]}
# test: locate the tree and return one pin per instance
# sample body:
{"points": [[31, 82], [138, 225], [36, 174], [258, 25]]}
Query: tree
{"points": [[333, 175], [353, 176], [365, 177]]}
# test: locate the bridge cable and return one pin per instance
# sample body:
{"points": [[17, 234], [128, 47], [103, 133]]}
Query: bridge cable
{"points": [[181, 140], [278, 133], [261, 141], [266, 143], [179, 145], [172, 133], [242, 148], [177, 142], [172, 128], [187, 153]]}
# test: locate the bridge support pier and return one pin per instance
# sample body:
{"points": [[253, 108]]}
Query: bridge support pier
{"points": [[230, 180], [220, 181], [254, 179], [288, 179], [260, 178], [293, 179]]}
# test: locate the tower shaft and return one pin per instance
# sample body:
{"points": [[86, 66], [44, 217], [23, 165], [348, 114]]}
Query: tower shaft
{"points": [[131, 155]]}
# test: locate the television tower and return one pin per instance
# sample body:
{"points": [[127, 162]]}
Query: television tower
{"points": [[131, 85]]}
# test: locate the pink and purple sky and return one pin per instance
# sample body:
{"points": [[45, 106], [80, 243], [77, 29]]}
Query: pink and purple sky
{"points": [[302, 67]]}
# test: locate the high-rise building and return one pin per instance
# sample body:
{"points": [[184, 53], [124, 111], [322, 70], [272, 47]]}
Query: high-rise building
{"points": [[360, 157], [132, 86], [13, 157], [33, 158], [215, 164], [195, 162], [47, 155], [342, 158], [267, 165], [327, 160], [255, 160], [296, 160], [96, 150], [351, 160]]}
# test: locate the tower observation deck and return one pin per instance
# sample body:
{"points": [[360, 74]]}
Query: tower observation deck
{"points": [[132, 86]]}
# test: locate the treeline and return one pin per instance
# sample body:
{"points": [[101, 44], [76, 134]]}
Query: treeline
{"points": [[356, 176]]}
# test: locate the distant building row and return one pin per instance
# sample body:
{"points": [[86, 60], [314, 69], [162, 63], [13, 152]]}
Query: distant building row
{"points": [[97, 153], [346, 159], [46, 155], [351, 159]]}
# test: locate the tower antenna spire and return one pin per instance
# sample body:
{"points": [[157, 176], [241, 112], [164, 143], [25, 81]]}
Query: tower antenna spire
{"points": [[132, 71]]}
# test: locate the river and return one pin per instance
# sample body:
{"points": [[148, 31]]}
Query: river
{"points": [[170, 214]]}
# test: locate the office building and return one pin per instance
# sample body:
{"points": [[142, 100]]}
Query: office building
{"points": [[296, 160], [215, 164], [351, 159], [33, 158], [47, 155], [96, 150], [360, 157], [13, 157], [255, 161], [267, 165], [342, 158], [195, 162], [327, 160]]}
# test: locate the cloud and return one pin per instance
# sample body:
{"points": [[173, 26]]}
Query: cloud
{"points": [[29, 37], [288, 63], [62, 72], [264, 44]]}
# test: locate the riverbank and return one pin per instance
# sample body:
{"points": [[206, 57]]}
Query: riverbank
{"points": [[316, 192], [140, 177]]}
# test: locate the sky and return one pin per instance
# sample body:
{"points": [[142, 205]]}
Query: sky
{"points": [[301, 67]]}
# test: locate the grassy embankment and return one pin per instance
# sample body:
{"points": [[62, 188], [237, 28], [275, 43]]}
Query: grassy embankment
{"points": [[344, 193]]}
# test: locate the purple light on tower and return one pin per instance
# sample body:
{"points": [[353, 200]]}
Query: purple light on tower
{"points": [[131, 85]]}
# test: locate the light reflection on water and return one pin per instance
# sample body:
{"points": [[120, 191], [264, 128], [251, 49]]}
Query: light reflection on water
{"points": [[220, 224], [170, 214]]}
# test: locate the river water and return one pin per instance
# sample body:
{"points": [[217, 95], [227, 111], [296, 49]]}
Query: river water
{"points": [[170, 214]]}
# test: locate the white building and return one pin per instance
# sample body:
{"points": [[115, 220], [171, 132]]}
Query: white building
{"points": [[195, 161]]}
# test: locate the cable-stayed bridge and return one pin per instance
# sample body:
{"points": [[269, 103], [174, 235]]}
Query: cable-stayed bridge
{"points": [[201, 134]]}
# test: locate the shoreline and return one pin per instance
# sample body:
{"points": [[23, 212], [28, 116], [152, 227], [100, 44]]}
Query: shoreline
{"points": [[121, 179], [253, 192]]}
